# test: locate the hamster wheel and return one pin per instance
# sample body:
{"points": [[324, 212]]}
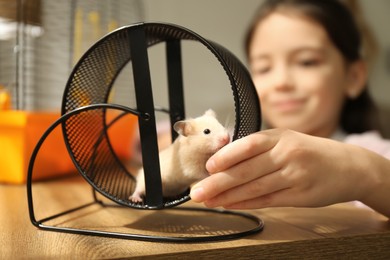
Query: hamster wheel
{"points": [[85, 102], [91, 82]]}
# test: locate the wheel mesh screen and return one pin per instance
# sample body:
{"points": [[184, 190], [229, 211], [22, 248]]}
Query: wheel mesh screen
{"points": [[90, 83]]}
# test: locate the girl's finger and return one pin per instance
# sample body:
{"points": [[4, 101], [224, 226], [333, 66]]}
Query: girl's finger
{"points": [[280, 198], [259, 187], [242, 149], [237, 175]]}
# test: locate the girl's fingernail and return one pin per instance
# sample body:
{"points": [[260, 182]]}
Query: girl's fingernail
{"points": [[210, 165], [197, 194]]}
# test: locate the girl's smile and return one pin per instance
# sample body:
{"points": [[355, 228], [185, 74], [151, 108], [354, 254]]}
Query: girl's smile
{"points": [[288, 105]]}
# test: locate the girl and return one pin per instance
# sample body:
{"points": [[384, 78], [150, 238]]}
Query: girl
{"points": [[305, 61]]}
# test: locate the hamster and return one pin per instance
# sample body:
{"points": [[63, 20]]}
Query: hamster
{"points": [[184, 161]]}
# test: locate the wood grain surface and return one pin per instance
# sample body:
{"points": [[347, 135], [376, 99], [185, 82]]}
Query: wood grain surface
{"points": [[339, 231]]}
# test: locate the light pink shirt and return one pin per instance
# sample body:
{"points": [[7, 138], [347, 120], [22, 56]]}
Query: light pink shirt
{"points": [[371, 140]]}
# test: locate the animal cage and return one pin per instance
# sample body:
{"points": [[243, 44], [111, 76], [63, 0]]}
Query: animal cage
{"points": [[40, 42]]}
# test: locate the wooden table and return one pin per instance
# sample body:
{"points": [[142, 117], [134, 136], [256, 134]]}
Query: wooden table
{"points": [[342, 230]]}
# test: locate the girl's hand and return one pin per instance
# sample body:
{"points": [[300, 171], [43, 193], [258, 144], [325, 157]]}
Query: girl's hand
{"points": [[278, 167]]}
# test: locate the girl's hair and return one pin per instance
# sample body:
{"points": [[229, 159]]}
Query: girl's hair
{"points": [[358, 114]]}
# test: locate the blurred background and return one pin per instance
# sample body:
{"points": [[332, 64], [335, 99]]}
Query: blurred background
{"points": [[41, 41]]}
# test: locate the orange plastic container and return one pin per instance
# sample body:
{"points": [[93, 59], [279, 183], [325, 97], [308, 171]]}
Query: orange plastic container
{"points": [[20, 132]]}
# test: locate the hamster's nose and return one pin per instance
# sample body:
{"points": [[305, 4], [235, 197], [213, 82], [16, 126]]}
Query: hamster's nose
{"points": [[225, 139]]}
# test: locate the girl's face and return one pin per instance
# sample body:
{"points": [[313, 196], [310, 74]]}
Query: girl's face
{"points": [[299, 74]]}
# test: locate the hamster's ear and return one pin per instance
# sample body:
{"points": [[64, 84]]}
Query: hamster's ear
{"points": [[182, 127], [210, 112]]}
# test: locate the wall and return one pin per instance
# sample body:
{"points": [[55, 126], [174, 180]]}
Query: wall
{"points": [[222, 21], [377, 15]]}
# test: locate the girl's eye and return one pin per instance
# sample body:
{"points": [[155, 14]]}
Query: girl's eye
{"points": [[261, 70], [260, 66], [206, 131], [309, 63]]}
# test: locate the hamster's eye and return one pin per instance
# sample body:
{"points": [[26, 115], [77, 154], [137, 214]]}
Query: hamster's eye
{"points": [[206, 131]]}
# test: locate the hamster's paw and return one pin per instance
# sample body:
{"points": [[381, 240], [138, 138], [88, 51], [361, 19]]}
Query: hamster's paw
{"points": [[136, 198]]}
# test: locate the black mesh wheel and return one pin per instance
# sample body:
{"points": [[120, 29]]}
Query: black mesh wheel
{"points": [[90, 83]]}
